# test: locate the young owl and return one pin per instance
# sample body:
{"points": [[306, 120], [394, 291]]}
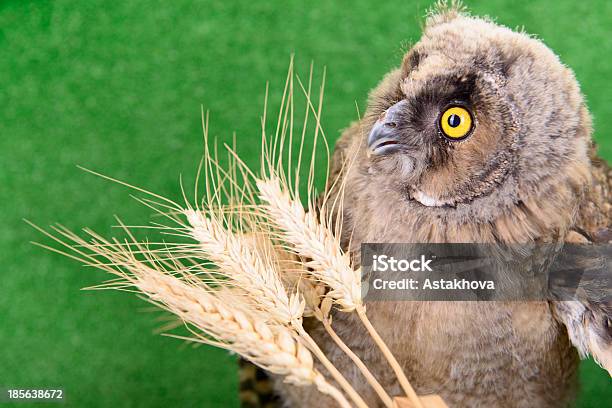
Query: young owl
{"points": [[481, 135]]}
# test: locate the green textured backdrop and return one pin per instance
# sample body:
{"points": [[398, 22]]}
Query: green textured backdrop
{"points": [[117, 86]]}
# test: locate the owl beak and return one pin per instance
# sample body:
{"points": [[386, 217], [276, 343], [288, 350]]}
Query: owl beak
{"points": [[384, 138]]}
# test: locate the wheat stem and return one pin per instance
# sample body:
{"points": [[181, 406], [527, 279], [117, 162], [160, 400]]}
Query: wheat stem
{"points": [[327, 388], [386, 399], [346, 386], [397, 369]]}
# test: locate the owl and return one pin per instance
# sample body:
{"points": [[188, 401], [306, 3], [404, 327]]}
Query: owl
{"points": [[480, 136]]}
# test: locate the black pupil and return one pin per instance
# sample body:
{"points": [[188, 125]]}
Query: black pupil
{"points": [[454, 120]]}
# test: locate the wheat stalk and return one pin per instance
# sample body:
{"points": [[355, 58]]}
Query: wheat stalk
{"points": [[309, 237], [243, 265], [222, 317], [325, 318]]}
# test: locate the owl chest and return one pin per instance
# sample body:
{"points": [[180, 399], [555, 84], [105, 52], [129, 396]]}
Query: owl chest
{"points": [[452, 328], [455, 346]]}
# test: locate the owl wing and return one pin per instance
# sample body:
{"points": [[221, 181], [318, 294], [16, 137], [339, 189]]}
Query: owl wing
{"points": [[589, 328], [589, 320]]}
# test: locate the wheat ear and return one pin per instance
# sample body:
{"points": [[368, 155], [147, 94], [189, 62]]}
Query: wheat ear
{"points": [[270, 346], [244, 265], [310, 238]]}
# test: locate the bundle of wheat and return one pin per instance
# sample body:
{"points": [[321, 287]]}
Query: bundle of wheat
{"points": [[258, 263]]}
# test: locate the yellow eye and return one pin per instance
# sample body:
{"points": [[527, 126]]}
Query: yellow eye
{"points": [[456, 123]]}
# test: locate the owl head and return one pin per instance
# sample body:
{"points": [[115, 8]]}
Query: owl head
{"points": [[477, 118]]}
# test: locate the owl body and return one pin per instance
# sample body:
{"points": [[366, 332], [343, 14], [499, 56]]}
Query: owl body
{"points": [[472, 354], [524, 171]]}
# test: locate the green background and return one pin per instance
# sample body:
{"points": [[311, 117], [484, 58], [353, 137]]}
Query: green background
{"points": [[117, 87]]}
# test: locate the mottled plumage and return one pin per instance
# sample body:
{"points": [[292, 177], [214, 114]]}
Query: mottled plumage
{"points": [[528, 172]]}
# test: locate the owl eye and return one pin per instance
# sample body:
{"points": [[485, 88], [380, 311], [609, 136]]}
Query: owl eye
{"points": [[456, 123]]}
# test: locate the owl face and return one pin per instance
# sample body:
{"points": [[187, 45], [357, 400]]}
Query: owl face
{"points": [[475, 109]]}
